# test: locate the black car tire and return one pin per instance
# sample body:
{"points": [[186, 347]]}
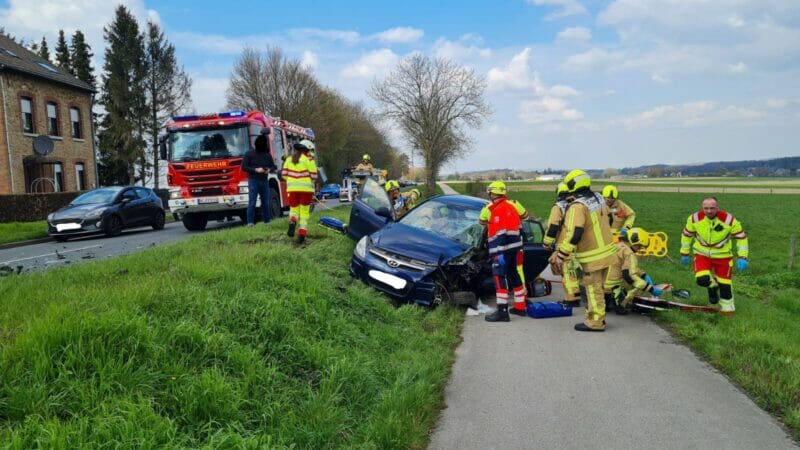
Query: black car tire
{"points": [[275, 204], [159, 220], [195, 221], [113, 226], [61, 238]]}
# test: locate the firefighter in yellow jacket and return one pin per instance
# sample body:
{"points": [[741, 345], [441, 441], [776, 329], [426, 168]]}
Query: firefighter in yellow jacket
{"points": [[553, 236], [300, 173], [588, 239], [713, 232], [620, 215], [402, 202], [365, 165], [626, 278]]}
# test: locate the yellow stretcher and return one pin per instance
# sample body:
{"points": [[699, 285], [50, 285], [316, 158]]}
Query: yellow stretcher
{"points": [[657, 247]]}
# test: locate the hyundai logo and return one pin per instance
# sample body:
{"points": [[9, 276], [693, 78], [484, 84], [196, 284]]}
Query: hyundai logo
{"points": [[392, 263]]}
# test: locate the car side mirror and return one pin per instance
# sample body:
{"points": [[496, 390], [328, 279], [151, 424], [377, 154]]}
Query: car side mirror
{"points": [[384, 212], [125, 200]]}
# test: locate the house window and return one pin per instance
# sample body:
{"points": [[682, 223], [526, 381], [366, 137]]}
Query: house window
{"points": [[58, 177], [52, 119], [43, 176], [80, 177], [27, 114], [75, 120]]}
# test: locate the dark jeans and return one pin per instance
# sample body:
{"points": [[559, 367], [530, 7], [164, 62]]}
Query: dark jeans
{"points": [[256, 188]]}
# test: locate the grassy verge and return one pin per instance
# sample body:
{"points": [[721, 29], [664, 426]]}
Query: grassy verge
{"points": [[234, 338], [22, 231], [758, 348]]}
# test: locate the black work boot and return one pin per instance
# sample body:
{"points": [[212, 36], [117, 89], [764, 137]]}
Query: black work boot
{"points": [[501, 315], [301, 238], [518, 312], [292, 226], [571, 303], [713, 295], [582, 327]]}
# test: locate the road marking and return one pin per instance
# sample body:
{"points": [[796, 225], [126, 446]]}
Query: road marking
{"points": [[5, 263]]}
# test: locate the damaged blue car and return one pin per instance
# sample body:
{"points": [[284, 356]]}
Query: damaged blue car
{"points": [[434, 254]]}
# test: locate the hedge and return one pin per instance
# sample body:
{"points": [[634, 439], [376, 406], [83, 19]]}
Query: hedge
{"points": [[33, 207]]}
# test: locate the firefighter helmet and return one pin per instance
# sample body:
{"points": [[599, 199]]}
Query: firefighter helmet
{"points": [[391, 184], [577, 179], [638, 236], [562, 189], [610, 191], [497, 188], [305, 144], [365, 157]]}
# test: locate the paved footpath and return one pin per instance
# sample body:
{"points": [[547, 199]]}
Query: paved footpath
{"points": [[537, 383]]}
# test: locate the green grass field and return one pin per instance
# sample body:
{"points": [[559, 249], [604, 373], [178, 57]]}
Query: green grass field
{"points": [[22, 231], [230, 339], [758, 348]]}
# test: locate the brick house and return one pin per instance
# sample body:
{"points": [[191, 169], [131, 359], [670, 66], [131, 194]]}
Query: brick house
{"points": [[43, 105]]}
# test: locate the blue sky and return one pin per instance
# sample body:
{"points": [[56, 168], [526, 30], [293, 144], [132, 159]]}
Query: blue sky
{"points": [[572, 83]]}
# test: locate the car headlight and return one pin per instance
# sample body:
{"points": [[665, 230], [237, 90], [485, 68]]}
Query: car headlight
{"points": [[50, 217], [361, 248], [244, 189], [94, 215]]}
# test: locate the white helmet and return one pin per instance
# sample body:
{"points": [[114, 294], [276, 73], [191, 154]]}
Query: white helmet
{"points": [[305, 144]]}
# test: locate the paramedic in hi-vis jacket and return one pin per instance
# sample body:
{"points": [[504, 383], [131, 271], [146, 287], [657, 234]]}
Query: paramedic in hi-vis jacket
{"points": [[713, 231], [588, 239]]}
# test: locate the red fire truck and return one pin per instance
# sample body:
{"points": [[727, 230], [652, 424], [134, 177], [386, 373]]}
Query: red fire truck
{"points": [[204, 154]]}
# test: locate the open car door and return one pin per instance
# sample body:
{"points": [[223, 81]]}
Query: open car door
{"points": [[371, 211], [536, 257]]}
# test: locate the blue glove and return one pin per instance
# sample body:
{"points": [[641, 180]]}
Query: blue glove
{"points": [[501, 259], [657, 291], [623, 232], [648, 279], [684, 259], [741, 264]]}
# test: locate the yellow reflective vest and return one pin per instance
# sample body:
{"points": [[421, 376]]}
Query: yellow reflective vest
{"points": [[595, 249], [299, 176], [712, 237], [620, 215]]}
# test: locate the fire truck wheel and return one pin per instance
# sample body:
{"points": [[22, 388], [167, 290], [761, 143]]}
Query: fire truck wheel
{"points": [[195, 222], [275, 204]]}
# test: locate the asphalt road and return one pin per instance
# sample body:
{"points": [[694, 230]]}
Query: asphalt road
{"points": [[50, 254]]}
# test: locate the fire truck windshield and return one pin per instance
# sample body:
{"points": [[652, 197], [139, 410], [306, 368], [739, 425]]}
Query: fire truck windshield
{"points": [[202, 144]]}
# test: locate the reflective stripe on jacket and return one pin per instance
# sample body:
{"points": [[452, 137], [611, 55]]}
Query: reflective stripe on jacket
{"points": [[596, 248], [712, 237], [299, 177], [504, 224], [620, 215]]}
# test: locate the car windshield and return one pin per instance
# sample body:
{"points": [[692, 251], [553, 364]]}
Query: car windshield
{"points": [[451, 220], [95, 196], [196, 145]]}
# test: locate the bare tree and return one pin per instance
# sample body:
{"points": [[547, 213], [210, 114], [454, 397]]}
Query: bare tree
{"points": [[433, 101]]}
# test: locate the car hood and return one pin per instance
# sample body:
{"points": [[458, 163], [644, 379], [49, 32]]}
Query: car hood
{"points": [[78, 210], [416, 244]]}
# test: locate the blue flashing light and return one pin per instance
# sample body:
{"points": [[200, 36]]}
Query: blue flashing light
{"points": [[185, 118], [310, 133], [231, 114]]}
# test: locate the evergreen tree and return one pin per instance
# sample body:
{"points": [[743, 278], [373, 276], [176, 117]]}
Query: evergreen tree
{"points": [[80, 55], [62, 54], [44, 52], [168, 88], [123, 97]]}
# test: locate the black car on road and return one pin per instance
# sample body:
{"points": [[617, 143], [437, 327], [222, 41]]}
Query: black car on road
{"points": [[107, 210]]}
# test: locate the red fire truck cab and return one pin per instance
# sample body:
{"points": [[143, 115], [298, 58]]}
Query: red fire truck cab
{"points": [[204, 155]]}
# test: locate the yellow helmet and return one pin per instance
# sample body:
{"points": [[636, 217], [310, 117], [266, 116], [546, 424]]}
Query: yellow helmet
{"points": [[562, 189], [638, 236], [610, 191], [305, 144], [497, 188], [577, 179], [365, 157], [391, 184]]}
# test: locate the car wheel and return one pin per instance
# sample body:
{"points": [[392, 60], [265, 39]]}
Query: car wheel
{"points": [[113, 226], [159, 220], [61, 238]]}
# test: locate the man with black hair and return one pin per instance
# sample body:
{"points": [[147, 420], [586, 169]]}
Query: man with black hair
{"points": [[258, 164]]}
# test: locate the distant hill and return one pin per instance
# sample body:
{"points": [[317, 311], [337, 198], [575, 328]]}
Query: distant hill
{"points": [[778, 167]]}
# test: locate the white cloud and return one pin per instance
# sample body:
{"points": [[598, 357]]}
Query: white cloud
{"points": [[690, 115], [466, 47], [516, 75], [310, 59], [575, 34], [346, 36], [777, 103], [400, 35], [209, 43], [372, 64], [565, 8], [545, 110], [593, 59], [208, 94], [739, 67], [659, 78]]}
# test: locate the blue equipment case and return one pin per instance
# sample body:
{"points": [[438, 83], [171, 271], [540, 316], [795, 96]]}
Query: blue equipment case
{"points": [[542, 310], [333, 224]]}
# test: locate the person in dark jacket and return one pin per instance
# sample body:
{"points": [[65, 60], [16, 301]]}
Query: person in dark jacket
{"points": [[258, 164]]}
